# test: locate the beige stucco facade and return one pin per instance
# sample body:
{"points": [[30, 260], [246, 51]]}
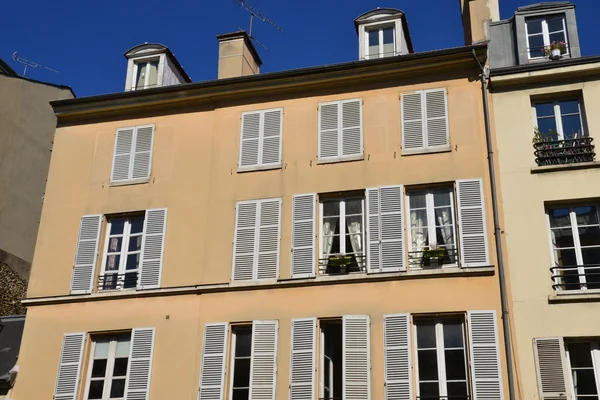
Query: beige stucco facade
{"points": [[538, 311], [194, 175]]}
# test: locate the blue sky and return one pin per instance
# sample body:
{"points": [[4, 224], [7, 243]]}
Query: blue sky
{"points": [[85, 40]]}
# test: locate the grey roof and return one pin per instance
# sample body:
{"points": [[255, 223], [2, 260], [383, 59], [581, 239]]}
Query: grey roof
{"points": [[545, 5], [11, 331]]}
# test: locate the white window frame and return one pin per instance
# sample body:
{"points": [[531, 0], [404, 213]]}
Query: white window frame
{"points": [[126, 235], [380, 29], [342, 218], [147, 61], [558, 115], [441, 357], [431, 229], [112, 351], [545, 33], [232, 356], [595, 350]]}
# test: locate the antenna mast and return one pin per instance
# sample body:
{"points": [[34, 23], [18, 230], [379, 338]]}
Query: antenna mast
{"points": [[29, 63], [254, 13]]}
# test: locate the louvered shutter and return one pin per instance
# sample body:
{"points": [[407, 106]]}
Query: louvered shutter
{"points": [[373, 231], [485, 356], [329, 130], [302, 364], [82, 279], [139, 369], [392, 228], [551, 368], [153, 243], [249, 139], [437, 118], [122, 155], [271, 137], [268, 239], [244, 240], [303, 235], [397, 357], [356, 366], [142, 156], [69, 368], [352, 135], [263, 366], [471, 219], [413, 133], [212, 371]]}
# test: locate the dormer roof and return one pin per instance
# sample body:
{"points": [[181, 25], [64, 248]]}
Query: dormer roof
{"points": [[545, 5]]}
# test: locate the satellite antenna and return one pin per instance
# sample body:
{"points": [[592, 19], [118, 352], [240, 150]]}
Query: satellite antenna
{"points": [[29, 63], [254, 13]]}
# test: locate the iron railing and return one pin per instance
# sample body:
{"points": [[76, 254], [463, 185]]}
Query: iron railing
{"points": [[576, 277], [117, 281], [558, 152], [342, 264], [432, 259]]}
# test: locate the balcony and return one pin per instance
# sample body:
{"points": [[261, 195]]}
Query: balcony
{"points": [[342, 264], [561, 152], [117, 281], [432, 259], [575, 277]]}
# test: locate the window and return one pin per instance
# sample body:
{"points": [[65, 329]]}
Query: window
{"points": [[260, 139], [381, 42], [330, 359], [432, 233], [425, 121], [541, 32], [146, 74], [575, 240], [107, 371], [441, 359], [342, 235], [584, 360], [340, 131], [241, 345], [132, 158], [123, 248], [559, 119]]}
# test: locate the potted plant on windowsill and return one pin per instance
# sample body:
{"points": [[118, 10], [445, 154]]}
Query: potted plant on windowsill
{"points": [[554, 50], [339, 263], [544, 140], [433, 256]]}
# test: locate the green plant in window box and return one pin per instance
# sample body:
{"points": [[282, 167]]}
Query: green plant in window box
{"points": [[544, 137], [339, 260], [433, 256]]}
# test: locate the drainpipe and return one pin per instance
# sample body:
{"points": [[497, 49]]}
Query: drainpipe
{"points": [[497, 232]]}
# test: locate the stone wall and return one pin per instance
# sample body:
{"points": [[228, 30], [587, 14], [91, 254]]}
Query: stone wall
{"points": [[13, 284]]}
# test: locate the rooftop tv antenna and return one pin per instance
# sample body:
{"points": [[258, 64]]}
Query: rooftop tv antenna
{"points": [[254, 13], [29, 63]]}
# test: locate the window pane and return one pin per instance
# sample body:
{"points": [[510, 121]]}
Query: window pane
{"points": [[586, 215], [559, 217], [580, 355], [589, 236], [544, 109], [565, 257], [114, 244], [99, 368], [420, 238], [428, 370], [141, 75], [441, 199], [241, 373], [569, 107], [153, 71], [101, 348], [240, 394], [418, 218], [388, 35], [557, 37], [536, 46], [429, 391], [96, 388], [133, 261], [562, 237], [130, 280], [455, 364], [137, 224], [443, 216], [555, 24], [112, 262], [331, 208], [120, 368], [374, 44], [571, 125], [591, 255], [426, 335], [243, 341], [444, 236], [547, 126], [116, 226], [354, 224], [330, 226], [354, 206], [534, 26], [117, 389], [123, 347], [417, 201], [457, 391], [135, 243], [453, 334], [584, 381]]}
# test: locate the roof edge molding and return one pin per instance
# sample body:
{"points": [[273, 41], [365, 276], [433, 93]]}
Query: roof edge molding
{"points": [[546, 5]]}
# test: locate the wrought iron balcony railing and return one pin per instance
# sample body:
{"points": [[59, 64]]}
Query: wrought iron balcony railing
{"points": [[431, 259], [342, 264], [117, 281], [576, 277], [558, 152]]}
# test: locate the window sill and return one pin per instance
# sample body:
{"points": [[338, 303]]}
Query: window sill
{"points": [[565, 167], [333, 160], [575, 296], [258, 168], [130, 182], [412, 152]]}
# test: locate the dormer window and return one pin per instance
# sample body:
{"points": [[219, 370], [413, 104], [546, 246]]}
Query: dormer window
{"points": [[380, 42], [382, 33], [146, 74], [541, 32]]}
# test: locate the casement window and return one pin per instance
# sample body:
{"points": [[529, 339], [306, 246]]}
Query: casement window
{"points": [[340, 131], [256, 240], [260, 140], [425, 121], [253, 361], [132, 157], [559, 119], [119, 365], [146, 74], [584, 363], [132, 255], [575, 241], [432, 231], [541, 32], [342, 235], [380, 42]]}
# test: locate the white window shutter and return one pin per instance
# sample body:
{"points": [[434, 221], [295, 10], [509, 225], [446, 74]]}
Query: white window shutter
{"points": [[436, 107], [551, 368], [244, 242], [302, 363], [249, 139], [153, 244], [271, 137], [373, 230], [303, 235], [82, 279], [122, 155], [69, 368], [329, 130], [397, 357], [472, 223], [413, 133], [485, 356], [212, 370], [268, 239], [263, 368], [352, 132], [356, 368], [392, 228], [142, 156], [139, 369]]}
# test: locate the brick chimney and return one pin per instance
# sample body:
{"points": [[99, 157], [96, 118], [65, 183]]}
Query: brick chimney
{"points": [[237, 56]]}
